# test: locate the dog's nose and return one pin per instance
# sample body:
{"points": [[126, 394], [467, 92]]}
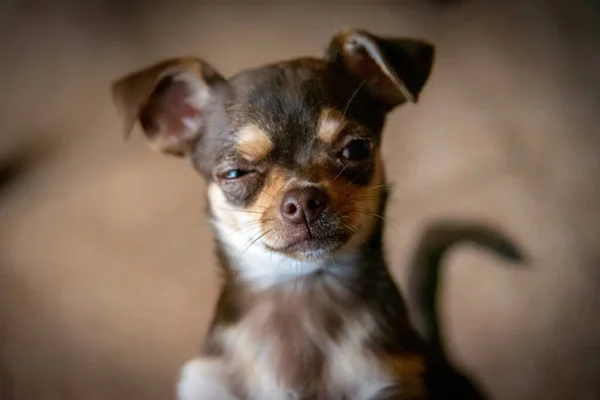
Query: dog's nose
{"points": [[303, 205]]}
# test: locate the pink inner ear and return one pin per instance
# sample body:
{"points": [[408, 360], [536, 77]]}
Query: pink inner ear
{"points": [[169, 112], [178, 114]]}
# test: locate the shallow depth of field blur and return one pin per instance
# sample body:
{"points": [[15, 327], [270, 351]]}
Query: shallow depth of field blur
{"points": [[107, 273]]}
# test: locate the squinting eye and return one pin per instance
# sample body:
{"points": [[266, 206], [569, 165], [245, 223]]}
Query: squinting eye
{"points": [[357, 150], [234, 174]]}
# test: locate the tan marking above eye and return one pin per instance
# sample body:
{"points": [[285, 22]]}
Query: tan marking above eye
{"points": [[331, 122], [253, 143]]}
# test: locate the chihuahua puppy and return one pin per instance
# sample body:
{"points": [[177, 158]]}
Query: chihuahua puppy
{"points": [[291, 153]]}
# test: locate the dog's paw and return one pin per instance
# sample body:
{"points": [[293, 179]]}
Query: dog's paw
{"points": [[203, 379]]}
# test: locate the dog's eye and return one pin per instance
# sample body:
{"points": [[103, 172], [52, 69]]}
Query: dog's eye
{"points": [[357, 150], [234, 174]]}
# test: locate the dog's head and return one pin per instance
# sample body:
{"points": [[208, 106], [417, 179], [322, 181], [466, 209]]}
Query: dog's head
{"points": [[290, 151]]}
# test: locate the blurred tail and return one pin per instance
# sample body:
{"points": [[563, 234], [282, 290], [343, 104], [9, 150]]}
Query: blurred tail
{"points": [[11, 169], [15, 164], [424, 281]]}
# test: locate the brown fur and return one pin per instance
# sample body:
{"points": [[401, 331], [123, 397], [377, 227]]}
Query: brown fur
{"points": [[409, 370]]}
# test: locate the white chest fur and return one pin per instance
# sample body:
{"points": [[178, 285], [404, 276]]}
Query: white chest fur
{"points": [[266, 353]]}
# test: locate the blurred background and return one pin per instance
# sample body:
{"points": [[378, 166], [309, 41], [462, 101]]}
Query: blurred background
{"points": [[107, 273]]}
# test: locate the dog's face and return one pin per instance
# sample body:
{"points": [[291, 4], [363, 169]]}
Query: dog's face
{"points": [[290, 151]]}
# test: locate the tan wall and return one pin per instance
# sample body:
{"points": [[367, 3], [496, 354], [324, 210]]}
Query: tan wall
{"points": [[106, 267]]}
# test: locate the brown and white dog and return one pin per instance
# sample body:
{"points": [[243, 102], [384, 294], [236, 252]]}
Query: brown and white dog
{"points": [[296, 191]]}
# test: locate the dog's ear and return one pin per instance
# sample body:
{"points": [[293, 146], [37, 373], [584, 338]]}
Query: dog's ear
{"points": [[392, 70], [170, 100]]}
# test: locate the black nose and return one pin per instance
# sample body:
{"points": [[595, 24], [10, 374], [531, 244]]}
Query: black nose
{"points": [[303, 206]]}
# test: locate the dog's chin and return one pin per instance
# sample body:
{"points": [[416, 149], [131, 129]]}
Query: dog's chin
{"points": [[313, 248]]}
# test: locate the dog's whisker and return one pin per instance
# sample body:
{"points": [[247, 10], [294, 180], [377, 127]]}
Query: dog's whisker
{"points": [[377, 187], [252, 243], [275, 245], [352, 97], [242, 211], [391, 222], [243, 228], [330, 255], [268, 193], [363, 212], [358, 199], [356, 176], [351, 228], [340, 173], [381, 217]]}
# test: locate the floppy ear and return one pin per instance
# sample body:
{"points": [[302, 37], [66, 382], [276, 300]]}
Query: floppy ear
{"points": [[170, 100], [392, 70]]}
